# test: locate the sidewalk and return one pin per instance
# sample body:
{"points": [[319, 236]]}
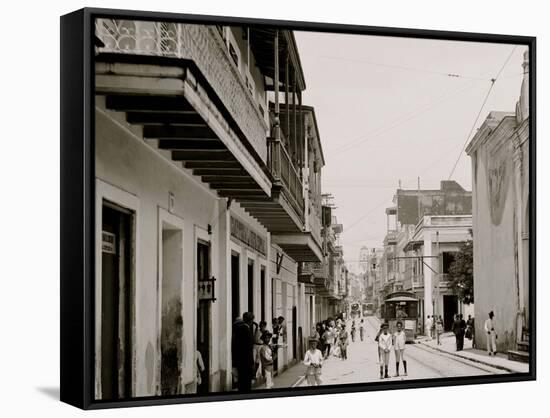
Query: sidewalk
{"points": [[500, 361], [293, 376]]}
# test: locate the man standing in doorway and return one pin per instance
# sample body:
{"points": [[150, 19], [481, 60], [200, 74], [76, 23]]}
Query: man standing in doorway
{"points": [[242, 347], [491, 334]]}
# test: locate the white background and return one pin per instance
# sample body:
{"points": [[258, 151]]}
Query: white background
{"points": [[29, 211]]}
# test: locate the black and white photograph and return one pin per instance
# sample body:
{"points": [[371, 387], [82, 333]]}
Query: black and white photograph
{"points": [[280, 208]]}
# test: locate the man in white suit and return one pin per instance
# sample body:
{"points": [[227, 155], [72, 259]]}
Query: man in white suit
{"points": [[491, 334]]}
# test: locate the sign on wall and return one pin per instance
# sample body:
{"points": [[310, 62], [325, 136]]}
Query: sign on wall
{"points": [[243, 233], [108, 242]]}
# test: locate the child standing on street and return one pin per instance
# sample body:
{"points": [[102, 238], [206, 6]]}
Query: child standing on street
{"points": [[361, 330], [266, 359], [314, 362], [399, 339], [343, 342], [384, 347]]}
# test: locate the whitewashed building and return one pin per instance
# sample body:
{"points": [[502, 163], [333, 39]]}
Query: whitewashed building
{"points": [[202, 196]]}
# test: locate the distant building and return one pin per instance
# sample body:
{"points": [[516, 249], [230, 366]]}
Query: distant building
{"points": [[411, 217], [363, 259], [500, 171], [432, 246]]}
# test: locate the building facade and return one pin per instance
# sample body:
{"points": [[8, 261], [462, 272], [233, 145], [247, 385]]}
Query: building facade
{"points": [[204, 200], [500, 166], [405, 265], [430, 250]]}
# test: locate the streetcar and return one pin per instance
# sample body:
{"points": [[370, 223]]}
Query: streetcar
{"points": [[401, 306], [368, 309], [355, 310]]}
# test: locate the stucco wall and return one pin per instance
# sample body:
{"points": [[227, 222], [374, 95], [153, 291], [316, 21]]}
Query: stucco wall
{"points": [[127, 162], [495, 284]]}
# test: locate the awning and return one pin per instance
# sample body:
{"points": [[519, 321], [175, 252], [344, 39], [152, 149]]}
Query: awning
{"points": [[401, 299]]}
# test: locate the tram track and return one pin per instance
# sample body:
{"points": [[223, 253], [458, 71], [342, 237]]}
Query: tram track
{"points": [[414, 351]]}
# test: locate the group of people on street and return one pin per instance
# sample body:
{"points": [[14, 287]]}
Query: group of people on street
{"points": [[462, 329], [333, 338], [254, 350], [386, 342], [434, 325], [329, 337]]}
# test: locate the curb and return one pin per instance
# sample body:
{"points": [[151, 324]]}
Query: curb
{"points": [[485, 363]]}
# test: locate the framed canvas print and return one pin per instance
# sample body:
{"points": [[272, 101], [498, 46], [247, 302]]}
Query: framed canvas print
{"points": [[258, 208]]}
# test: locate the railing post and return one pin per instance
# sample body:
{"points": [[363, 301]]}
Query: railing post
{"points": [[277, 121]]}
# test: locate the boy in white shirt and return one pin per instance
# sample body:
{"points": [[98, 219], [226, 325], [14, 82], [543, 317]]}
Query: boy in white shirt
{"points": [[399, 340], [384, 347], [314, 362]]}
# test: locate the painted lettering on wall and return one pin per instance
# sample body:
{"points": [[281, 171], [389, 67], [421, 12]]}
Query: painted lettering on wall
{"points": [[246, 235], [108, 242]]}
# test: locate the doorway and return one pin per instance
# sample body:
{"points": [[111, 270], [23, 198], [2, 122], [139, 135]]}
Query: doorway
{"points": [[171, 316], [262, 295], [250, 286], [203, 316], [235, 285], [450, 309], [116, 302]]}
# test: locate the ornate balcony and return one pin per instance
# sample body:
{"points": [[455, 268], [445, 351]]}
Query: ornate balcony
{"points": [[200, 44]]}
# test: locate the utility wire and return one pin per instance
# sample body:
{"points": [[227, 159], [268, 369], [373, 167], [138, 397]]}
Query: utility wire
{"points": [[402, 119], [403, 68], [493, 81]]}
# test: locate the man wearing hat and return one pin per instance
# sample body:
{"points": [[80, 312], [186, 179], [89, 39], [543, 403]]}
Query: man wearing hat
{"points": [[491, 334]]}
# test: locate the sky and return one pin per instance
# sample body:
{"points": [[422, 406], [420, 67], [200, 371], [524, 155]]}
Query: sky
{"points": [[388, 111]]}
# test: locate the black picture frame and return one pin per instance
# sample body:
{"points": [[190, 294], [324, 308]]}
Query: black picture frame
{"points": [[77, 206]]}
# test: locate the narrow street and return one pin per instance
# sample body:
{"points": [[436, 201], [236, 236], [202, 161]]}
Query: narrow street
{"points": [[422, 363]]}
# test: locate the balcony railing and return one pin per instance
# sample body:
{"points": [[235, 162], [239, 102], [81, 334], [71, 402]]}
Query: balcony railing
{"points": [[282, 168], [206, 48], [317, 269]]}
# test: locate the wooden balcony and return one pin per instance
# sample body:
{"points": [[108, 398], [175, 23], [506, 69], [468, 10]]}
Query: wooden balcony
{"points": [[204, 47]]}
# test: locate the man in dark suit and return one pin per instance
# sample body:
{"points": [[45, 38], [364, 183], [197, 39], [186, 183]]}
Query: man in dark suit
{"points": [[242, 348]]}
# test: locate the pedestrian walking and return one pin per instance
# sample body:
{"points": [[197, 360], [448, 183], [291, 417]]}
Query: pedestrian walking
{"points": [[266, 359], [343, 342], [361, 330], [243, 351], [439, 329], [429, 323], [353, 331], [456, 331], [328, 337], [491, 334], [462, 331], [384, 347], [314, 362], [471, 330], [399, 340]]}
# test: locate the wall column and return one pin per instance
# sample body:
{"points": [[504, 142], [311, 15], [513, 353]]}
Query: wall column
{"points": [[428, 276]]}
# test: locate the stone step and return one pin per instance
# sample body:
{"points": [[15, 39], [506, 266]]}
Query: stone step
{"points": [[523, 346], [518, 356]]}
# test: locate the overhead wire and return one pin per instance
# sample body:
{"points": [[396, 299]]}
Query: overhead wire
{"points": [[404, 68], [493, 81], [400, 120]]}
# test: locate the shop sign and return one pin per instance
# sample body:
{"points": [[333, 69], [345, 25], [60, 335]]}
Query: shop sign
{"points": [[246, 235], [108, 242], [206, 289]]}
